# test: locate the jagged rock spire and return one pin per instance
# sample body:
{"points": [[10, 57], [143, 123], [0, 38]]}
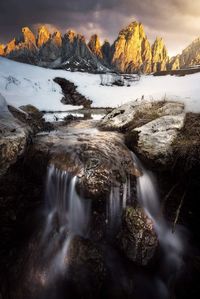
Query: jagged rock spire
{"points": [[160, 57], [131, 50], [43, 36], [95, 46]]}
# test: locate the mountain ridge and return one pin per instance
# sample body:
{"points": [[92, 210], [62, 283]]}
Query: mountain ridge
{"points": [[131, 51]]}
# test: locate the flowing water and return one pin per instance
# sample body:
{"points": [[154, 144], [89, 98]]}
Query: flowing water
{"points": [[67, 215], [171, 242]]}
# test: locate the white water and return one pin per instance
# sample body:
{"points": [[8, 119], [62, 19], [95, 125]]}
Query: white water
{"points": [[67, 215], [171, 243]]}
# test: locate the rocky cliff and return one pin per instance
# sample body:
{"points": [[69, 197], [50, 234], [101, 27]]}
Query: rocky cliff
{"points": [[190, 56], [131, 52], [160, 57]]}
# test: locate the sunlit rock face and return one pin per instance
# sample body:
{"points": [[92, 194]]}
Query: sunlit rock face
{"points": [[23, 49], [159, 55], [29, 39], [77, 55], [131, 50], [174, 63], [43, 36], [10, 47], [189, 57], [2, 49], [51, 50], [95, 46]]}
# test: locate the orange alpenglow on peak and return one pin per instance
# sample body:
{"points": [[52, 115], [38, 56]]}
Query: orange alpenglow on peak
{"points": [[10, 47], [2, 50], [71, 34], [29, 37], [95, 46], [43, 36], [160, 57], [57, 38]]}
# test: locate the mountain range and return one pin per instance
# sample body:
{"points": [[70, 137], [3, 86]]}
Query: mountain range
{"points": [[131, 51]]}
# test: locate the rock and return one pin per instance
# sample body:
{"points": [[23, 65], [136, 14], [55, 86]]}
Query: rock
{"points": [[95, 46], [13, 137], [86, 265], [29, 40], [2, 50], [160, 57], [131, 50], [32, 117], [186, 146], [101, 158], [32, 111], [155, 139], [77, 56], [71, 95], [174, 63], [134, 114], [137, 238], [43, 36], [106, 50], [10, 47], [190, 56]]}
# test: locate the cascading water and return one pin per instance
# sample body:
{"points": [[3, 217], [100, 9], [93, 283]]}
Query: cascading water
{"points": [[170, 242], [67, 215]]}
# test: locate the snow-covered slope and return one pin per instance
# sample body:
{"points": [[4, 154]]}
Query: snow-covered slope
{"points": [[23, 84]]}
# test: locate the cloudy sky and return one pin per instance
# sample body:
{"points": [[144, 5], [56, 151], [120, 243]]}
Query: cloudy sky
{"points": [[177, 21]]}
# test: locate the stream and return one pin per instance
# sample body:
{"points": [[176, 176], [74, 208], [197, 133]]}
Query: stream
{"points": [[101, 232]]}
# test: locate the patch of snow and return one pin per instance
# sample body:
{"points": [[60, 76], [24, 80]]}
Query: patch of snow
{"points": [[36, 87]]}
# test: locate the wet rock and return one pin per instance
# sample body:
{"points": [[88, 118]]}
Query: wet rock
{"points": [[99, 159], [86, 266], [32, 117], [137, 238]]}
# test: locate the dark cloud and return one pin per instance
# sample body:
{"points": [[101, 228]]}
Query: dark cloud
{"points": [[176, 20]]}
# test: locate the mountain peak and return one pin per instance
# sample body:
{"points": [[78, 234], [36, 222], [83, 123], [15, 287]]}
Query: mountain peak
{"points": [[95, 46], [43, 36], [57, 38], [28, 36], [2, 50]]}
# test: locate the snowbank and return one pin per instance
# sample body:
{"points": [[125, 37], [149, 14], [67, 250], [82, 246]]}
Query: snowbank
{"points": [[25, 84]]}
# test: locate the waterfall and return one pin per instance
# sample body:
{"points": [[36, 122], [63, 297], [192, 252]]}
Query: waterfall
{"points": [[170, 242], [67, 215]]}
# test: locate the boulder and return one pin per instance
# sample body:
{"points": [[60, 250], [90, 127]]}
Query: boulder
{"points": [[137, 113], [99, 159], [137, 238], [154, 140], [13, 137]]}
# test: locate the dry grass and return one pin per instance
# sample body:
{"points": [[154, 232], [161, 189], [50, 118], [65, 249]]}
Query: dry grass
{"points": [[186, 147]]}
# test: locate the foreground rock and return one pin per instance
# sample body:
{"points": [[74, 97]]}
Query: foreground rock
{"points": [[138, 113], [99, 159], [151, 128], [137, 238], [13, 137]]}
